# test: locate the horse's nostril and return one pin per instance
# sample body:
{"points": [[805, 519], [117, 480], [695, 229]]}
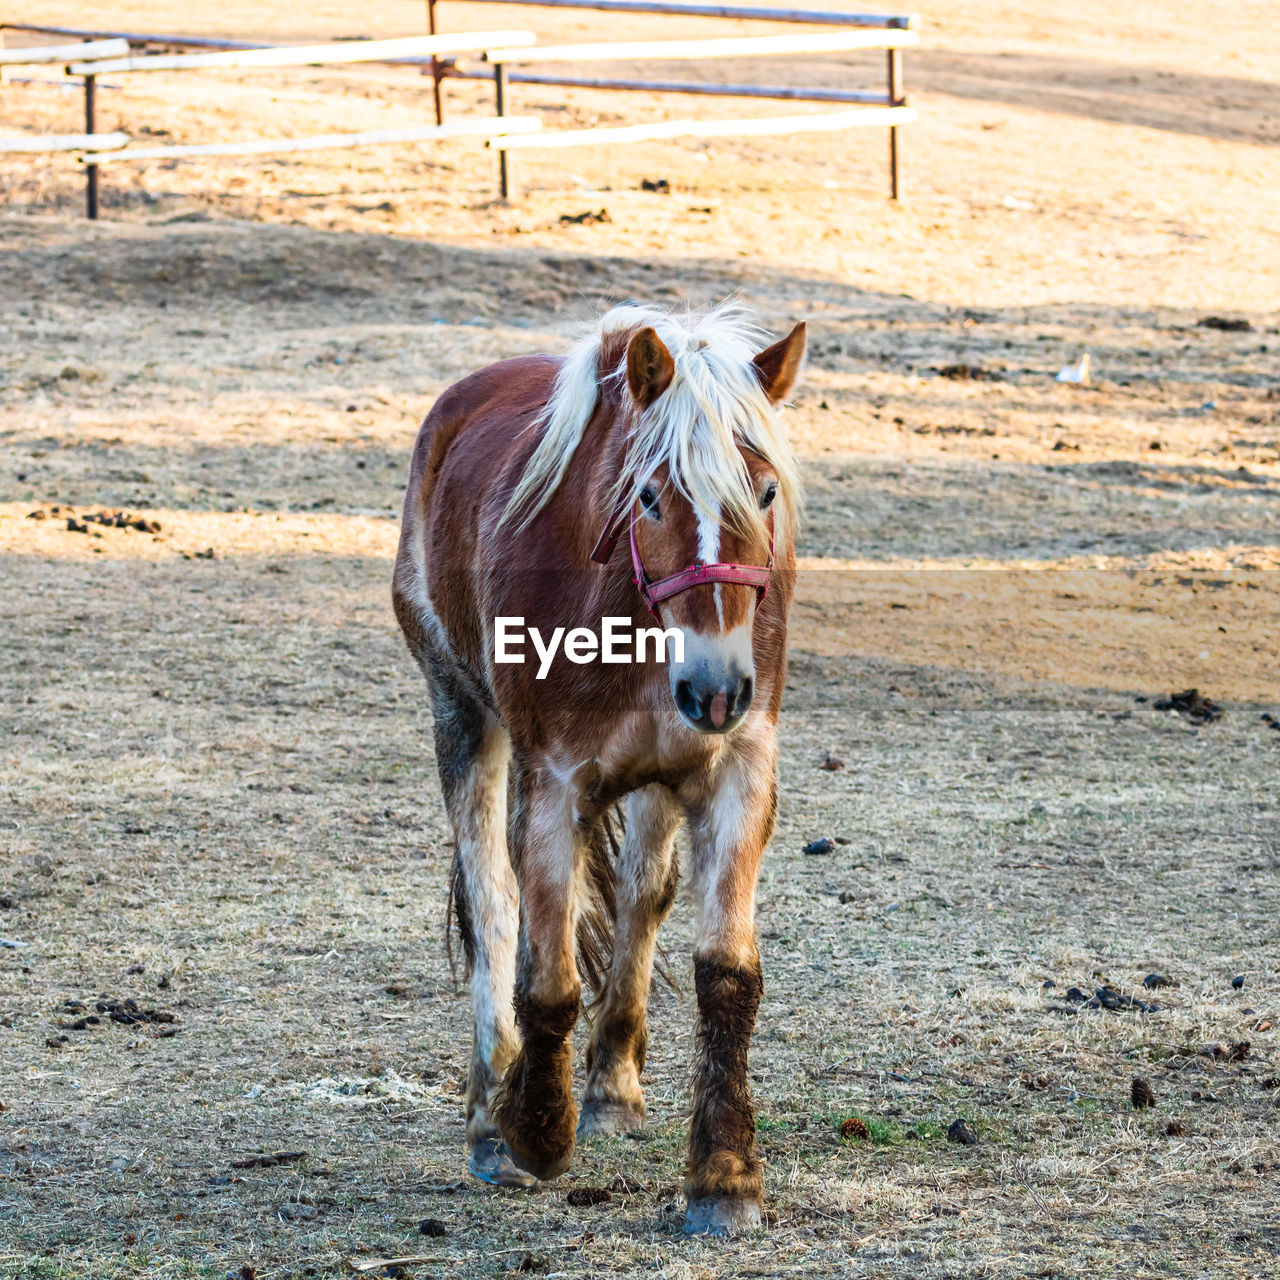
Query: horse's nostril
{"points": [[688, 704], [742, 700]]}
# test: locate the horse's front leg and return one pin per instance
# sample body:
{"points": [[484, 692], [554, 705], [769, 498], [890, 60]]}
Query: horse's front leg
{"points": [[729, 827], [535, 1110]]}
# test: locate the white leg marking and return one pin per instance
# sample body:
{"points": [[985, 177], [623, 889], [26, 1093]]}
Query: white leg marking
{"points": [[479, 813], [731, 834], [551, 871]]}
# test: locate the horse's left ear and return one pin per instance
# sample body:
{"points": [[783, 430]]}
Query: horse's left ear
{"points": [[778, 366], [650, 367]]}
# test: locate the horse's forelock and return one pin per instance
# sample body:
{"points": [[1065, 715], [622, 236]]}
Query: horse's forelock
{"points": [[714, 405]]}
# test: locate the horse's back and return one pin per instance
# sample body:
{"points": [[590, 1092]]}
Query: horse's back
{"points": [[481, 419]]}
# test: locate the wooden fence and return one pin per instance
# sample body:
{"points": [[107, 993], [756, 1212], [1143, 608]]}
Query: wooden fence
{"points": [[109, 55], [111, 52], [313, 55], [890, 32]]}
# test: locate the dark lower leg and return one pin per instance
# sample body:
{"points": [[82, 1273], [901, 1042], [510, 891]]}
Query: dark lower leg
{"points": [[723, 1181], [535, 1110], [614, 1100], [722, 1137], [484, 1079]]}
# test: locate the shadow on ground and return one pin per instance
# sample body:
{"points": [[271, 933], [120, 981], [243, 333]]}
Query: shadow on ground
{"points": [[1225, 107]]}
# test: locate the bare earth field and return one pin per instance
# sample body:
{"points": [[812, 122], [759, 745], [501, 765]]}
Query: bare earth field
{"points": [[217, 790]]}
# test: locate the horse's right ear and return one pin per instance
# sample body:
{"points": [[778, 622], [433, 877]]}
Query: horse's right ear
{"points": [[778, 366], [650, 367]]}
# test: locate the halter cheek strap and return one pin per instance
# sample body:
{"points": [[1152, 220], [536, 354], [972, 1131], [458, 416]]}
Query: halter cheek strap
{"points": [[602, 552], [696, 575]]}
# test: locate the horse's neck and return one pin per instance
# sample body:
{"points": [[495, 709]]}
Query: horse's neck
{"points": [[605, 442]]}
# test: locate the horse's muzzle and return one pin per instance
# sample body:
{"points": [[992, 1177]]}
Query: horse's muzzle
{"points": [[714, 706]]}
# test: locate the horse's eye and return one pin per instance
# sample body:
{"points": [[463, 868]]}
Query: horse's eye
{"points": [[766, 501], [649, 501]]}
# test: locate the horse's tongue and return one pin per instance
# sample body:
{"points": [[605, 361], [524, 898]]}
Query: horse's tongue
{"points": [[719, 707]]}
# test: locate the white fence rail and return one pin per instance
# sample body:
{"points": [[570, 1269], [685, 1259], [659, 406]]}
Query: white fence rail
{"points": [[487, 128], [35, 55], [38, 143], [306, 55], [739, 47], [740, 12], [763, 126]]}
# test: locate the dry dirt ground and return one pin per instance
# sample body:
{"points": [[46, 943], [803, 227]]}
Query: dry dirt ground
{"points": [[217, 792]]}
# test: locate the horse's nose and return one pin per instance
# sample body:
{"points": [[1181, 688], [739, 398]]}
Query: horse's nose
{"points": [[714, 707]]}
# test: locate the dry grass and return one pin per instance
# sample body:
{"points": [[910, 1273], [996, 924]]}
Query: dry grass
{"points": [[216, 784]]}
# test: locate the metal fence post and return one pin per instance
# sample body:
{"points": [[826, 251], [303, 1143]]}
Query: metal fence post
{"points": [[90, 126], [500, 99], [894, 61], [437, 70]]}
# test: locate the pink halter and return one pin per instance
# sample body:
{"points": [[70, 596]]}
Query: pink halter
{"points": [[696, 575]]}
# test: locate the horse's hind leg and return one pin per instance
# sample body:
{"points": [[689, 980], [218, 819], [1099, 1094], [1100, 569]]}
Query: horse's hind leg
{"points": [[646, 884], [472, 751]]}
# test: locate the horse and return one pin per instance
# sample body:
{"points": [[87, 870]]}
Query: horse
{"points": [[665, 430]]}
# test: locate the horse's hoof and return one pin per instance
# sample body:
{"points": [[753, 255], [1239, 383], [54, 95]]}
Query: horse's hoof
{"points": [[721, 1216], [491, 1162], [540, 1169], [599, 1115]]}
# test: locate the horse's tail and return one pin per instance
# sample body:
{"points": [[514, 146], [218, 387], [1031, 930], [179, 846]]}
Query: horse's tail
{"points": [[597, 911], [598, 908], [457, 913], [598, 914]]}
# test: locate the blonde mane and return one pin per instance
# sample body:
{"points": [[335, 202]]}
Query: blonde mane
{"points": [[714, 405]]}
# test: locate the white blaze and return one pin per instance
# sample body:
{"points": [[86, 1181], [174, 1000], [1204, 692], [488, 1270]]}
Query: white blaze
{"points": [[709, 553]]}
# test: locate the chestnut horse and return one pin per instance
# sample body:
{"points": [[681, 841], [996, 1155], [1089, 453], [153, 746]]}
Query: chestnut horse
{"points": [[663, 430]]}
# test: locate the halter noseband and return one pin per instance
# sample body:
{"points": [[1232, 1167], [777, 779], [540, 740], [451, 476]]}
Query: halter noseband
{"points": [[696, 575]]}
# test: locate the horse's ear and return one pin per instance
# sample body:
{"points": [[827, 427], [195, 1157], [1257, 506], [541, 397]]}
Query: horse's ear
{"points": [[778, 366], [650, 367]]}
